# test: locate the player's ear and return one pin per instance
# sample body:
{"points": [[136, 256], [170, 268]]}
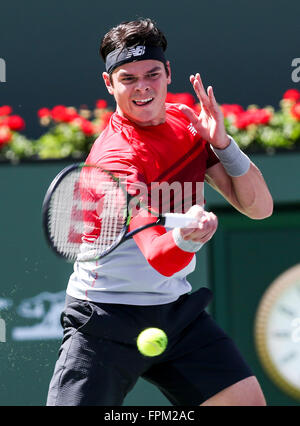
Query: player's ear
{"points": [[169, 72], [108, 83]]}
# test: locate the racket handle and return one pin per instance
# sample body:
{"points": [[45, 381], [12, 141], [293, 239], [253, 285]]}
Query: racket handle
{"points": [[179, 220]]}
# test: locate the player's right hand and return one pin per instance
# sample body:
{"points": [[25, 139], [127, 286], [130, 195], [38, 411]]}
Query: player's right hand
{"points": [[207, 225]]}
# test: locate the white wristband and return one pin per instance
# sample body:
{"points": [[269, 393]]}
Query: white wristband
{"points": [[185, 245], [235, 162]]}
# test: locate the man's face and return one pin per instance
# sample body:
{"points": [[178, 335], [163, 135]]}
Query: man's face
{"points": [[140, 90]]}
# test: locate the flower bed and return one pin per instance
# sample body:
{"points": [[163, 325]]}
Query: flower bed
{"points": [[70, 132], [266, 129]]}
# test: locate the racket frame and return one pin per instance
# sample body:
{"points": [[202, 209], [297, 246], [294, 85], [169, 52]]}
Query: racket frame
{"points": [[46, 204], [123, 235]]}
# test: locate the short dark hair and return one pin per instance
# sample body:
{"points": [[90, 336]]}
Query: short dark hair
{"points": [[142, 31]]}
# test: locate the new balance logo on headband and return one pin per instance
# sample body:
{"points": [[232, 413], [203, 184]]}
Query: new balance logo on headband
{"points": [[119, 57], [136, 51]]}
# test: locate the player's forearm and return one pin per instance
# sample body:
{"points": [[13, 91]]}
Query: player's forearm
{"points": [[252, 195], [160, 248], [241, 182]]}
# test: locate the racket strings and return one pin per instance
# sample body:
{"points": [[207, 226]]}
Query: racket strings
{"points": [[64, 216], [87, 214], [110, 209], [112, 220]]}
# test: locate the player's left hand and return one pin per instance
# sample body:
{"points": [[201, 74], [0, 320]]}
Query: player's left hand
{"points": [[210, 122], [207, 223]]}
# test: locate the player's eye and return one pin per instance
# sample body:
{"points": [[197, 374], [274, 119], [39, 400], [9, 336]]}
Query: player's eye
{"points": [[154, 75], [128, 79]]}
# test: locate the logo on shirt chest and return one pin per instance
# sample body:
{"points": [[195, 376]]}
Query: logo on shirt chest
{"points": [[192, 129]]}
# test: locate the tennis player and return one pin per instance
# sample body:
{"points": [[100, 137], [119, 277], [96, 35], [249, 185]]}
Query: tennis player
{"points": [[143, 283]]}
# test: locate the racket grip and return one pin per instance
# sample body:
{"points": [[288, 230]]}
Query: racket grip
{"points": [[179, 220]]}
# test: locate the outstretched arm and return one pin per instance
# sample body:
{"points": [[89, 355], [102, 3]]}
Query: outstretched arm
{"points": [[236, 177]]}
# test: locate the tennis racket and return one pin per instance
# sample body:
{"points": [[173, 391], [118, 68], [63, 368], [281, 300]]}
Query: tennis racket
{"points": [[86, 213]]}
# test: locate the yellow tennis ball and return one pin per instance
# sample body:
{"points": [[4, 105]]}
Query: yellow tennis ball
{"points": [[152, 341]]}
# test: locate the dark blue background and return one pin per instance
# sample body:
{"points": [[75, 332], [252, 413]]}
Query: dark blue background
{"points": [[243, 48]]}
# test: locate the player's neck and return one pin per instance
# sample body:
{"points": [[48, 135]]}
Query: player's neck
{"points": [[160, 119]]}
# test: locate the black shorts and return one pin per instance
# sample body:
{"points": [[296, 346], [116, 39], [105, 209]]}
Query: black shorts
{"points": [[99, 363]]}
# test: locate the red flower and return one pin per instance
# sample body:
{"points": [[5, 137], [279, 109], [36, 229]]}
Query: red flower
{"points": [[14, 122], [63, 114], [5, 110], [292, 95], [252, 116], [86, 127], [242, 120], [44, 112], [59, 113], [295, 111], [101, 104], [72, 114], [181, 98], [231, 109], [5, 135]]}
